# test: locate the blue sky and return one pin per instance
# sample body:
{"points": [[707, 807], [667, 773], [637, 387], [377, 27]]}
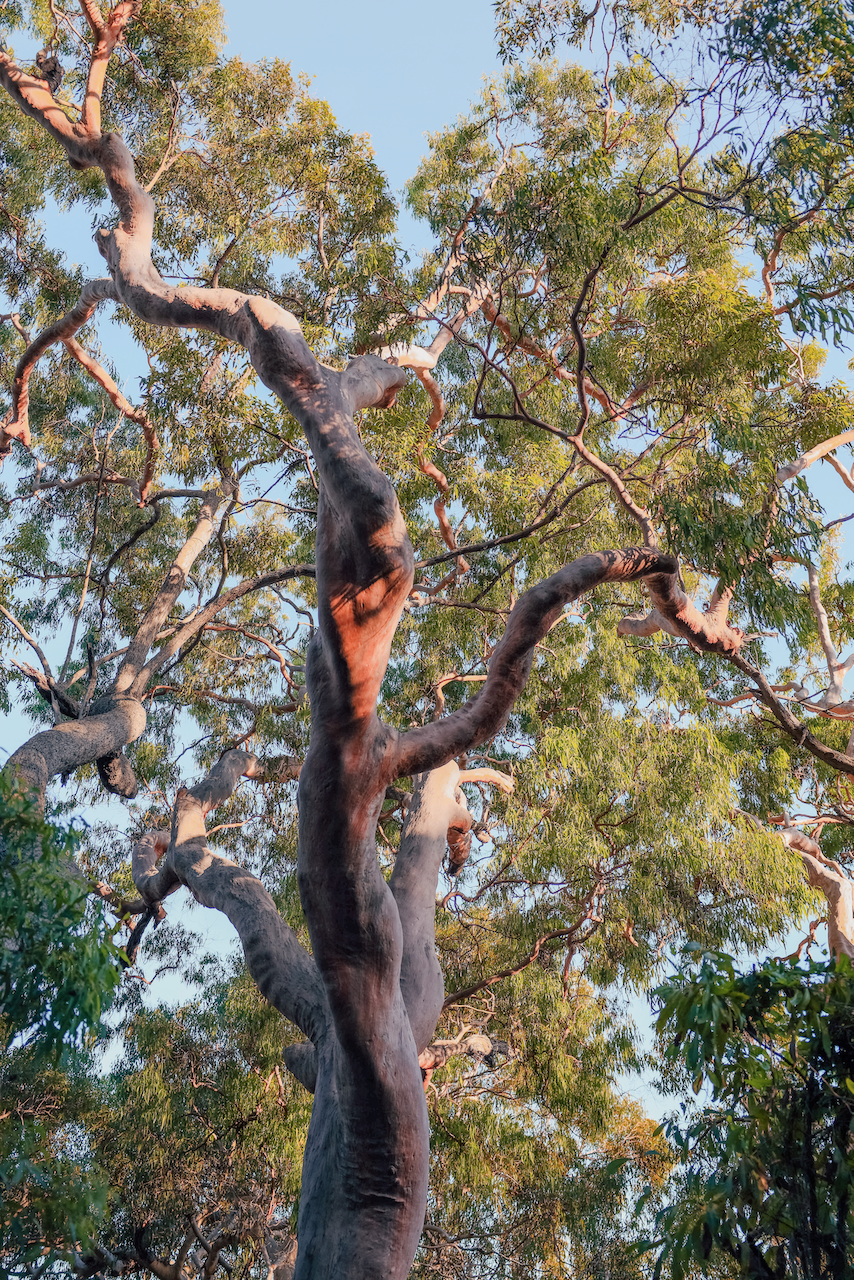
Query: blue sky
{"points": [[393, 71]]}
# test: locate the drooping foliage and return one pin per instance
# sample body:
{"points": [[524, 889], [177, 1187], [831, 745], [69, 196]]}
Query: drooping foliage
{"points": [[59, 964]]}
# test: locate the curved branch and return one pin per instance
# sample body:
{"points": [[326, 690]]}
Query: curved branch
{"points": [[418, 358], [359, 604], [837, 670], [17, 425], [634, 510], [124, 406], [201, 619], [283, 970], [791, 469], [466, 992], [151, 884], [836, 887], [108, 33], [113, 721], [639, 514], [118, 717], [535, 612], [707, 631], [441, 482], [796, 729], [22, 631], [158, 611]]}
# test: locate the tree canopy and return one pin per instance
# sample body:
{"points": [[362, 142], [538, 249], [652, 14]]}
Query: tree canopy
{"points": [[617, 339]]}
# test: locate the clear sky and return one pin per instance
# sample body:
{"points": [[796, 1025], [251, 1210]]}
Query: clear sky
{"points": [[392, 70]]}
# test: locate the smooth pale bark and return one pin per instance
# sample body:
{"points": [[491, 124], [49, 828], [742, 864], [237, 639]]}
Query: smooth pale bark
{"points": [[168, 594], [117, 717], [837, 888]]}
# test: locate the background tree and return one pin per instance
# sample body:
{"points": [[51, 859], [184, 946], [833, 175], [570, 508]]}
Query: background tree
{"points": [[57, 967], [767, 1159], [593, 369]]}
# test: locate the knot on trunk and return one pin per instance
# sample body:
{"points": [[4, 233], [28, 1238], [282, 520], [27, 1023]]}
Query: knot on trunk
{"points": [[117, 775]]}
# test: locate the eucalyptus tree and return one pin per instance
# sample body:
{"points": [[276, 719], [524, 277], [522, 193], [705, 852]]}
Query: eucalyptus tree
{"points": [[226, 566]]}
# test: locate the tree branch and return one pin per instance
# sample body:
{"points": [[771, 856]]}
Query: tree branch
{"points": [[836, 887], [114, 720], [16, 426], [535, 612], [791, 469], [675, 613], [139, 416], [200, 620], [169, 591], [435, 805], [281, 967], [796, 729]]}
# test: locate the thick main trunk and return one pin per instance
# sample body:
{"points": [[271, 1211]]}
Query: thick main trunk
{"points": [[364, 1190], [365, 1168]]}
